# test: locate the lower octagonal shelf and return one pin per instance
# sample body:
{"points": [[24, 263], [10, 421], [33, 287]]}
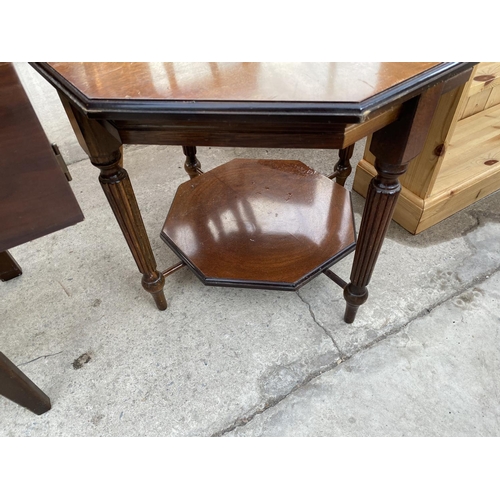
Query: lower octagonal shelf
{"points": [[260, 224]]}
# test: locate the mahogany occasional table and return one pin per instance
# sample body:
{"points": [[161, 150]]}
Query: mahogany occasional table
{"points": [[256, 223]]}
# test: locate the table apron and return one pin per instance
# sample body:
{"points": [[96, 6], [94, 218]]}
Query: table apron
{"points": [[232, 139], [265, 134]]}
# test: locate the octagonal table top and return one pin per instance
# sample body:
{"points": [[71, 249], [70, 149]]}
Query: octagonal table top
{"points": [[352, 90]]}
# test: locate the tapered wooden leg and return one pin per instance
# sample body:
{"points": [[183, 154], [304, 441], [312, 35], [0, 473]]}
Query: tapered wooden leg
{"points": [[101, 141], [192, 165], [9, 268], [380, 203], [17, 387], [343, 168], [393, 146], [118, 189]]}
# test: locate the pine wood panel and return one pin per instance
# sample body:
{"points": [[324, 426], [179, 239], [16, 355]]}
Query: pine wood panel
{"points": [[422, 170], [473, 127], [440, 207], [487, 76], [473, 152], [494, 97], [476, 103]]}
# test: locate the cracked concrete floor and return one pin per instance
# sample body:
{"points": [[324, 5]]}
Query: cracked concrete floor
{"points": [[421, 358]]}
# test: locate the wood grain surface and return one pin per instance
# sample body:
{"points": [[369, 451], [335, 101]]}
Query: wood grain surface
{"points": [[35, 197], [260, 223], [256, 81]]}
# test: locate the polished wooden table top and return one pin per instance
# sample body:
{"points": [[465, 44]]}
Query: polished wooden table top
{"points": [[348, 90], [318, 82]]}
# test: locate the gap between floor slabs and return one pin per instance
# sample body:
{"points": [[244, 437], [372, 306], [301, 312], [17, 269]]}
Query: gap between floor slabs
{"points": [[241, 422]]}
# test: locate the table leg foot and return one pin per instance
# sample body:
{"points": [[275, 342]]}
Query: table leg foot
{"points": [[116, 185], [192, 165], [380, 203], [394, 146], [354, 297], [154, 284]]}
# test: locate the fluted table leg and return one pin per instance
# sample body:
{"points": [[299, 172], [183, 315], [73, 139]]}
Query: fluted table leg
{"points": [[101, 141], [380, 203], [118, 189], [393, 146]]}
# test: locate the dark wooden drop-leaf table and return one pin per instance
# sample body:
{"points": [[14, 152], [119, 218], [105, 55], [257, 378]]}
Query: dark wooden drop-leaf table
{"points": [[278, 224]]}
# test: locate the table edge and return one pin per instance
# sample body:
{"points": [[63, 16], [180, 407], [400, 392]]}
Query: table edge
{"points": [[345, 112]]}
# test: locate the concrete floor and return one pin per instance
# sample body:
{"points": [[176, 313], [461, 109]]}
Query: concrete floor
{"points": [[422, 358]]}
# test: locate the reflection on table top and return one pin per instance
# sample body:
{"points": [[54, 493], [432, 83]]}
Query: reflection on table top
{"points": [[272, 82], [265, 221]]}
